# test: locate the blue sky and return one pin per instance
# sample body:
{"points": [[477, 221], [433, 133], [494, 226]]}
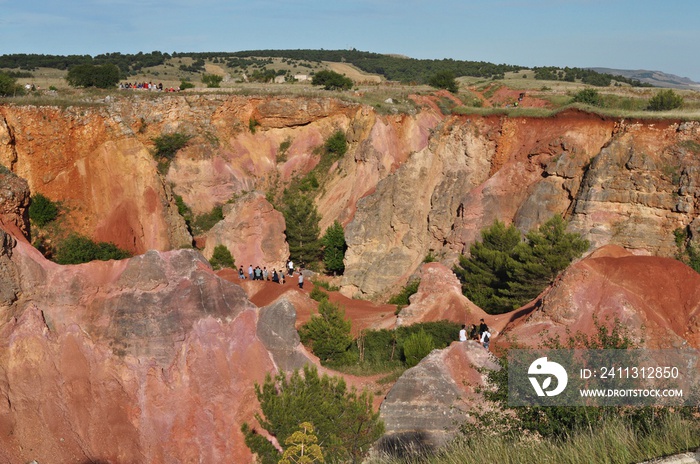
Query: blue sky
{"points": [[640, 34]]}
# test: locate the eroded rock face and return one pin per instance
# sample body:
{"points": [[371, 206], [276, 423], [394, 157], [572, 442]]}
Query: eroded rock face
{"points": [[428, 403], [253, 231], [155, 352], [641, 187], [14, 204], [475, 170], [439, 297], [409, 211], [105, 177]]}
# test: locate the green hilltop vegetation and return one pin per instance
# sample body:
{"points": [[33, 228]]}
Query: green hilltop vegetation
{"points": [[391, 67]]}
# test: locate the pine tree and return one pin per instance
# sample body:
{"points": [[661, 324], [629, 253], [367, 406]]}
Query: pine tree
{"points": [[222, 257], [504, 272], [484, 273], [344, 421], [537, 261], [334, 247], [328, 332], [301, 218]]}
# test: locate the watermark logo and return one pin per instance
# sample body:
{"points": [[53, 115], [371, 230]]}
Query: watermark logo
{"points": [[550, 368]]}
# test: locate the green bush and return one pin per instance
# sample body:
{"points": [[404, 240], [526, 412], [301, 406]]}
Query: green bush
{"points": [[42, 210], [318, 294], [186, 85], [345, 423], [337, 143], [167, 145], [687, 252], [9, 86], [326, 285], [588, 97], [76, 249], [417, 347], [402, 298], [327, 333], [444, 80], [212, 80], [221, 258], [665, 100], [385, 349], [253, 125], [90, 75], [204, 222], [331, 80], [282, 151]]}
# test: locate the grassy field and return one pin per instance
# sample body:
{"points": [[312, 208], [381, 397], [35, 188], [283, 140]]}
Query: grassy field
{"points": [[619, 101]]}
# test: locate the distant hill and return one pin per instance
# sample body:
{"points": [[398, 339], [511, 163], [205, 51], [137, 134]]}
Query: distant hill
{"points": [[655, 78]]}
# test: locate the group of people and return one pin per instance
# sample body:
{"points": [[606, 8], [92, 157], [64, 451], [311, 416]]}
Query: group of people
{"points": [[255, 273], [482, 334], [147, 86]]}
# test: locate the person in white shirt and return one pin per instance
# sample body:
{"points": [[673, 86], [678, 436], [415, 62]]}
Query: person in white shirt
{"points": [[463, 334]]}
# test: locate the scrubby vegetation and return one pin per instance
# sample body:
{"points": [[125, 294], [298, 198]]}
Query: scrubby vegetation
{"points": [[665, 100], [614, 441], [76, 249], [586, 76], [9, 86], [42, 210], [331, 80], [504, 272], [328, 336], [416, 347], [212, 81], [166, 146], [589, 97], [221, 258], [204, 222], [103, 76], [384, 350], [444, 80], [402, 298], [336, 145], [327, 333], [687, 252], [344, 421]]}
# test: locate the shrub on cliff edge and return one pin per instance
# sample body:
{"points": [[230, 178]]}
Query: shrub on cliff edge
{"points": [[77, 249], [42, 210], [665, 100]]}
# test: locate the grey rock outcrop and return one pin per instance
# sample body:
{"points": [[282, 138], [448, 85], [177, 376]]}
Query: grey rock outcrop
{"points": [[276, 331], [430, 401]]}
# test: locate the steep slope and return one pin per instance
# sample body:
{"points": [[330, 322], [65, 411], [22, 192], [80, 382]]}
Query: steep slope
{"points": [[409, 185], [155, 352]]}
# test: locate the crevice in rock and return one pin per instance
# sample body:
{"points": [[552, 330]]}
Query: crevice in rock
{"points": [[12, 144]]}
